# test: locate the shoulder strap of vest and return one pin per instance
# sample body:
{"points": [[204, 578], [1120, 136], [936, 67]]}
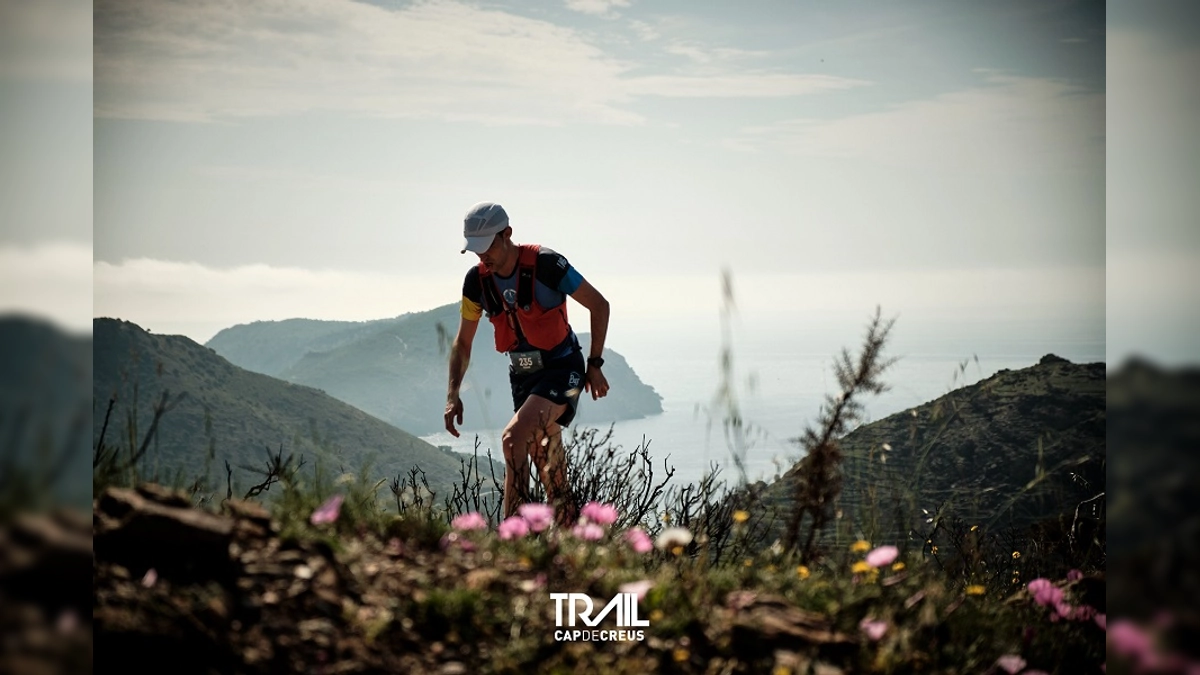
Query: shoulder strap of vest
{"points": [[526, 266], [491, 297]]}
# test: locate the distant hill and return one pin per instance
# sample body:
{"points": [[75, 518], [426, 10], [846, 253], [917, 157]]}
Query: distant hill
{"points": [[396, 369], [45, 404], [1016, 448], [239, 414]]}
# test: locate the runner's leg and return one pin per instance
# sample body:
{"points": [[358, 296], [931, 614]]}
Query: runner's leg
{"points": [[518, 441]]}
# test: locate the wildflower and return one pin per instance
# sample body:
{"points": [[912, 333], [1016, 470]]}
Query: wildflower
{"points": [[539, 516], [1128, 639], [898, 567], [873, 628], [513, 527], [740, 516], [860, 546], [469, 521], [884, 555], [1045, 593], [327, 512], [600, 514], [638, 588], [672, 538], [638, 540], [588, 531], [861, 567], [975, 589], [802, 572], [1011, 663]]}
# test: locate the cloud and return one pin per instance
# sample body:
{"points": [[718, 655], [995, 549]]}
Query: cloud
{"points": [[46, 40], [52, 280], [604, 8], [645, 31], [198, 300], [205, 61], [1009, 123], [744, 85]]}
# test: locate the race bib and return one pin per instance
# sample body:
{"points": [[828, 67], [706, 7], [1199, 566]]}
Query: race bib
{"points": [[525, 362]]}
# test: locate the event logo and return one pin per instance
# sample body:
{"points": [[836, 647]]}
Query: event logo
{"points": [[580, 606]]}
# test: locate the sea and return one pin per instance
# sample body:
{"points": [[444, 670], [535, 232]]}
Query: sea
{"points": [[778, 381]]}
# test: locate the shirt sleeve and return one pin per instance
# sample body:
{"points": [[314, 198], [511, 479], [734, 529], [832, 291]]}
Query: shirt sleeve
{"points": [[472, 296], [554, 271]]}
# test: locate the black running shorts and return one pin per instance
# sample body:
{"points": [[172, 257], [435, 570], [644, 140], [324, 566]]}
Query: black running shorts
{"points": [[560, 380]]}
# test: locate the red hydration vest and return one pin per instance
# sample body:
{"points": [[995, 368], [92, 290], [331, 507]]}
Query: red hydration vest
{"points": [[543, 328]]}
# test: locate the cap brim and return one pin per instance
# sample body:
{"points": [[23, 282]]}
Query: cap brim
{"points": [[477, 244]]}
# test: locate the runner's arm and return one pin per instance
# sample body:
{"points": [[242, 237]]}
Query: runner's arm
{"points": [[597, 306], [460, 358]]}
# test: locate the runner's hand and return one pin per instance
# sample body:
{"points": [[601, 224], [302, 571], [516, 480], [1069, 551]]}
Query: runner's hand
{"points": [[596, 383], [454, 411]]}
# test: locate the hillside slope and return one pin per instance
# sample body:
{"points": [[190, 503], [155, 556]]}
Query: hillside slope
{"points": [[231, 413], [396, 369], [1018, 447]]}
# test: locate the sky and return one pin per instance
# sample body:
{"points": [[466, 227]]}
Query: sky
{"points": [[314, 158]]}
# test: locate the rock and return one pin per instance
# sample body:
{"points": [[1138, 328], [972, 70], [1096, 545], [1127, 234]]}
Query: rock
{"points": [[138, 531], [771, 621]]}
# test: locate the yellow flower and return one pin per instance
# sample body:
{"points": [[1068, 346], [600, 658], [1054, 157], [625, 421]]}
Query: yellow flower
{"points": [[975, 589], [802, 572], [681, 655], [896, 567], [1016, 554], [861, 567], [740, 516], [860, 546]]}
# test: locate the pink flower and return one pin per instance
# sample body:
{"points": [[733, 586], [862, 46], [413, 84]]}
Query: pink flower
{"points": [[1045, 593], [469, 521], [873, 629], [1062, 609], [882, 556], [539, 516], [1101, 621], [327, 512], [600, 514], [1011, 663], [1084, 613], [588, 532], [638, 540], [1074, 575], [639, 588], [513, 528], [1128, 639]]}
